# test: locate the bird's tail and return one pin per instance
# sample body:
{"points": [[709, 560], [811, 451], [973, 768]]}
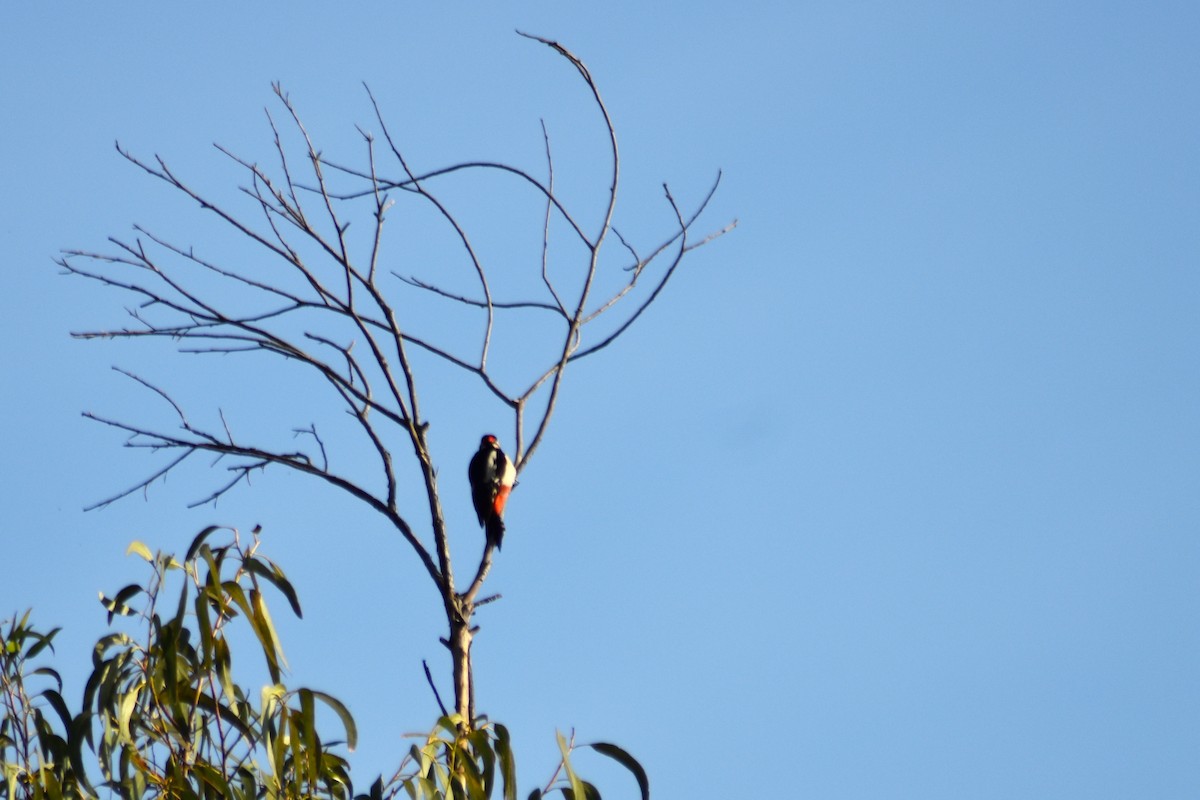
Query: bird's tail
{"points": [[495, 530]]}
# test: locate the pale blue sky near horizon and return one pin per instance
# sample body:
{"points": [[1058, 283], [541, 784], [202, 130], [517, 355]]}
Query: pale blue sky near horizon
{"points": [[893, 492]]}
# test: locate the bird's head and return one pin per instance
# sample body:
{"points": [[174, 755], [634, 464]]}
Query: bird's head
{"points": [[489, 441]]}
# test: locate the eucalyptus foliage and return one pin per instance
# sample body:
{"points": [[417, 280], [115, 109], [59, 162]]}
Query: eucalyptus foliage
{"points": [[162, 715]]}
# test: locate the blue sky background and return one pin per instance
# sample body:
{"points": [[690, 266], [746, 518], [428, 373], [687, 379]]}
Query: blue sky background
{"points": [[892, 494]]}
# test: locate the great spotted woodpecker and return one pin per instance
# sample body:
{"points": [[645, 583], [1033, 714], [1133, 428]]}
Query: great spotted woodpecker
{"points": [[492, 475]]}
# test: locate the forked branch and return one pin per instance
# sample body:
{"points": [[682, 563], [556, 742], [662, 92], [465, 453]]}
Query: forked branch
{"points": [[311, 295]]}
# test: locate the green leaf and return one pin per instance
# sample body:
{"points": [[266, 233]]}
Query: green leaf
{"points": [[223, 664], [576, 784], [247, 782], [270, 698], [204, 626], [50, 673], [265, 634], [343, 714], [128, 704], [60, 707], [428, 788], [227, 714], [274, 575], [590, 792], [470, 775], [508, 766], [117, 604], [81, 731], [199, 540], [10, 777], [137, 547], [181, 609], [450, 724], [265, 630], [213, 777], [630, 763], [42, 643], [212, 580], [308, 721]]}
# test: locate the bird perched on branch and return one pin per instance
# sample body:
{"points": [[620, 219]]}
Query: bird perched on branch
{"points": [[492, 475]]}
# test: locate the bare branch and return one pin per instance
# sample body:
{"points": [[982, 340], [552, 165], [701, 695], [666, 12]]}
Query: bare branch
{"points": [[310, 296], [562, 309], [470, 301], [573, 329], [141, 486], [684, 247], [311, 430], [195, 440], [433, 686], [413, 181]]}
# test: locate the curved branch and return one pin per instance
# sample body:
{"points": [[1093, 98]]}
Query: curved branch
{"points": [[470, 301], [571, 339], [259, 458], [329, 314]]}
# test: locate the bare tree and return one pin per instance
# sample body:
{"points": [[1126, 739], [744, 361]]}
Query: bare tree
{"points": [[327, 307]]}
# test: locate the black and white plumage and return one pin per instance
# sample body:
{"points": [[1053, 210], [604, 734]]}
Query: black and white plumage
{"points": [[492, 475]]}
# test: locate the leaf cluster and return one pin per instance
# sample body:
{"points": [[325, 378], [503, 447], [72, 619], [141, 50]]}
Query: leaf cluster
{"points": [[163, 715], [33, 745]]}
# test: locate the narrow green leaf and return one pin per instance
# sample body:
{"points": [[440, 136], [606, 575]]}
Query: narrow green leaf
{"points": [[60, 707], [181, 609], [308, 718], [51, 673], [508, 766], [265, 630], [137, 547], [204, 626], [212, 580], [481, 748], [81, 732], [469, 773], [199, 540], [573, 779], [265, 634], [50, 788], [223, 665], [274, 575], [343, 714], [227, 714], [213, 777], [276, 751], [116, 605], [630, 763], [297, 744], [270, 698], [128, 704], [42, 643], [51, 743], [234, 590], [248, 783]]}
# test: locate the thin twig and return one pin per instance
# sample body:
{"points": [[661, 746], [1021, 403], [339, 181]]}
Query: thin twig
{"points": [[433, 686]]}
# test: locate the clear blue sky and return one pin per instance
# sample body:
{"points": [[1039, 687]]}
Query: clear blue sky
{"points": [[893, 494]]}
